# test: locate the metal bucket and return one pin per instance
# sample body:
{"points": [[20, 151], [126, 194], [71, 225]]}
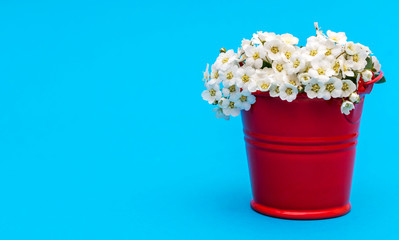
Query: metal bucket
{"points": [[301, 155]]}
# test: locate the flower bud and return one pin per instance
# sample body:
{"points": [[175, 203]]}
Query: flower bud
{"points": [[222, 50], [354, 97], [367, 75]]}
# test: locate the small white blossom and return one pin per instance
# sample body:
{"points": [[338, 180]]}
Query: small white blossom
{"points": [[229, 76], [348, 87], [273, 49], [206, 73], [304, 78], [225, 60], [288, 92], [289, 39], [346, 107], [219, 113], [376, 64], [314, 88], [346, 68], [266, 36], [245, 78], [262, 79], [354, 97], [274, 90], [244, 100], [339, 37], [367, 75], [230, 108], [255, 56], [279, 67], [332, 88], [230, 90], [296, 64], [321, 70], [358, 60], [286, 52], [312, 51], [215, 76], [212, 93]]}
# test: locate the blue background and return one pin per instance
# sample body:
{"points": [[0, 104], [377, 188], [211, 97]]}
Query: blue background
{"points": [[104, 134]]}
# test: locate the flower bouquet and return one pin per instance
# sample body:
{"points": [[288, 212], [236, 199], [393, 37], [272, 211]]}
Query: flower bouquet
{"points": [[301, 115]]}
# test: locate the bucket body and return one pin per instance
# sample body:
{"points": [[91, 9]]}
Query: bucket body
{"points": [[301, 156]]}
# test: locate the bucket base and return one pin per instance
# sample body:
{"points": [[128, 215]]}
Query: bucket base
{"points": [[301, 214]]}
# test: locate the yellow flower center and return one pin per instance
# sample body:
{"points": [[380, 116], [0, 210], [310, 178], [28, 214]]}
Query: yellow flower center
{"points": [[320, 71], [313, 53], [243, 98], [245, 78], [344, 68], [264, 86], [277, 89], [288, 55], [216, 75], [279, 67], [292, 82], [231, 105], [225, 60], [328, 52], [345, 86], [336, 67], [212, 92], [356, 58], [229, 75], [315, 88], [274, 50], [306, 78], [296, 63], [256, 56], [288, 91], [330, 87]]}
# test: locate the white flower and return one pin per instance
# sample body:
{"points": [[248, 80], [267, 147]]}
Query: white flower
{"points": [[346, 68], [339, 37], [244, 100], [279, 67], [274, 90], [229, 76], [225, 60], [288, 92], [219, 113], [212, 93], [206, 73], [376, 64], [215, 79], [245, 78], [348, 87], [286, 52], [329, 49], [289, 39], [266, 36], [321, 70], [230, 90], [332, 88], [358, 60], [230, 108], [296, 64], [354, 97], [273, 49], [262, 79], [367, 75], [346, 107], [351, 48], [255, 56], [304, 78], [314, 88], [312, 50], [245, 43]]}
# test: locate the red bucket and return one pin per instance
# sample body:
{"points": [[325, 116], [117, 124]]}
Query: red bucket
{"points": [[301, 155]]}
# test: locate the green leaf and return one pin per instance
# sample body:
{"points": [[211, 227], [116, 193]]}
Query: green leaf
{"points": [[369, 63], [382, 80], [266, 64]]}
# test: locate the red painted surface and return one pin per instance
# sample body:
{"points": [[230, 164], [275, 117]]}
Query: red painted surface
{"points": [[301, 155]]}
